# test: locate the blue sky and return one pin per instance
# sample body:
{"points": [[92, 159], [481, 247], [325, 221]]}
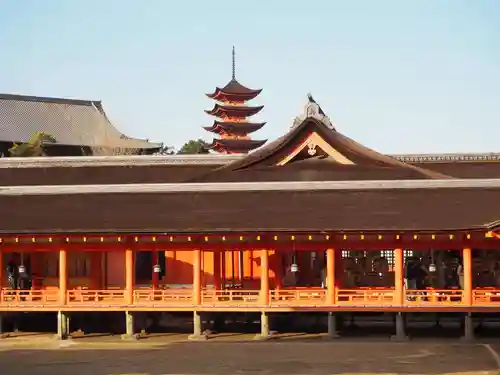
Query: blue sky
{"points": [[398, 76]]}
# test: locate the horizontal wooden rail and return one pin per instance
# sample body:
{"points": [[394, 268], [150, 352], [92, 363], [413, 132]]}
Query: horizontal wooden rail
{"points": [[163, 296], [445, 297], [356, 297], [96, 297], [241, 299], [230, 297], [486, 297], [298, 297], [12, 297]]}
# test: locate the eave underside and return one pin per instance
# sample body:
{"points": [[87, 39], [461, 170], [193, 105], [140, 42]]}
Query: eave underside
{"points": [[254, 211]]}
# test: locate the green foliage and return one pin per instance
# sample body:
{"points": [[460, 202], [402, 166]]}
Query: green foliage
{"points": [[197, 146], [33, 147]]}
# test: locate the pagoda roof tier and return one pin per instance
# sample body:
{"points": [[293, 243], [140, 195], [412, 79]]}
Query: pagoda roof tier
{"points": [[235, 146], [234, 127], [239, 111], [234, 92]]}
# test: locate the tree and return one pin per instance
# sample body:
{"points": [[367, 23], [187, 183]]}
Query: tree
{"points": [[33, 147], [167, 150], [197, 146]]}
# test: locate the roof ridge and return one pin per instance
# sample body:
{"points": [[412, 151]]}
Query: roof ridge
{"points": [[48, 99]]}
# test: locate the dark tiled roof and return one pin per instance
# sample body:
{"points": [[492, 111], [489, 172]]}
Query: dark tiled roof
{"points": [[335, 210], [92, 175], [71, 122], [368, 164]]}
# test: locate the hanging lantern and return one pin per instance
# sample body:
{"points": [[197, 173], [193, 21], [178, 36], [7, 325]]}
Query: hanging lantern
{"points": [[22, 268], [432, 268], [156, 268], [294, 268]]}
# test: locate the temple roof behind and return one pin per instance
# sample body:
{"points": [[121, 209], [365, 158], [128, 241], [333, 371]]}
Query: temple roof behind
{"points": [[314, 150], [70, 122]]}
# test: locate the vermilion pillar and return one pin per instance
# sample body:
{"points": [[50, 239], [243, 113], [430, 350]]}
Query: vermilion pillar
{"points": [[217, 269], [467, 261], [197, 277], [129, 276], [399, 277], [63, 277], [330, 277], [264, 277], [1, 270], [155, 277]]}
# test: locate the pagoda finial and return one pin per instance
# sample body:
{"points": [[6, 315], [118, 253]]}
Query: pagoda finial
{"points": [[234, 64]]}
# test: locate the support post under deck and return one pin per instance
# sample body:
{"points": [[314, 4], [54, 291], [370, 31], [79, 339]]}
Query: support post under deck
{"points": [[468, 328], [333, 332], [129, 327], [198, 334], [265, 332], [62, 325], [400, 328]]}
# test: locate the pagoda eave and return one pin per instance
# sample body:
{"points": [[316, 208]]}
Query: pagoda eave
{"points": [[233, 111], [238, 128], [223, 96], [235, 146]]}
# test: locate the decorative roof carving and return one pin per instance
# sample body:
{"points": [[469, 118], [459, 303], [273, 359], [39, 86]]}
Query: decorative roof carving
{"points": [[313, 110]]}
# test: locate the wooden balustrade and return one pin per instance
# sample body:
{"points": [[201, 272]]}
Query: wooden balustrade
{"points": [[300, 297], [163, 296], [357, 297], [486, 297], [434, 297], [10, 297], [230, 296], [96, 297]]}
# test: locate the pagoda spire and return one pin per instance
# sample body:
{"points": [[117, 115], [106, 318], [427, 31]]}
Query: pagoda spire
{"points": [[232, 113], [234, 64]]}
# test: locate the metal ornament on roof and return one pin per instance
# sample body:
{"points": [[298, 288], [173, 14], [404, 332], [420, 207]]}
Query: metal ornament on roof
{"points": [[313, 110]]}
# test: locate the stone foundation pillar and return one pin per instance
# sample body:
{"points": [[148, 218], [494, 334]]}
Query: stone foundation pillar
{"points": [[198, 333], [333, 332], [265, 333], [62, 325], [129, 327], [400, 328], [468, 328]]}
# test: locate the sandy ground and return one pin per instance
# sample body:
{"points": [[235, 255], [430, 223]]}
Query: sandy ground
{"points": [[236, 354]]}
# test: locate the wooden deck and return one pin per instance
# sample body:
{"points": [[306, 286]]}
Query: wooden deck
{"points": [[314, 299]]}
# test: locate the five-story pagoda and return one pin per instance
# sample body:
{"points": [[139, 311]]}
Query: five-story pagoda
{"points": [[232, 112]]}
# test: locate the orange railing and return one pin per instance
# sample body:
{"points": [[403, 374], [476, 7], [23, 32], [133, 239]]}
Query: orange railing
{"points": [[163, 296], [486, 297], [225, 297], [357, 297], [298, 297], [11, 297], [96, 297], [434, 297]]}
